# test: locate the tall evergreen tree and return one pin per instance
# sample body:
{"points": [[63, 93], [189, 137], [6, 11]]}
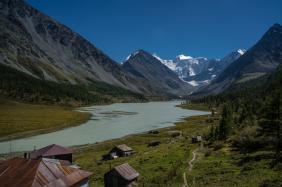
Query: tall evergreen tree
{"points": [[271, 123], [225, 123], [278, 127]]}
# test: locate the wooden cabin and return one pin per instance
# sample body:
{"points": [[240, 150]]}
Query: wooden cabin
{"points": [[41, 172], [196, 139], [121, 176], [122, 150], [51, 151], [118, 151]]}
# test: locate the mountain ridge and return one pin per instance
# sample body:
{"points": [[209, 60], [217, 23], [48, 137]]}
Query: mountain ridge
{"points": [[263, 57], [54, 43], [36, 44], [153, 72]]}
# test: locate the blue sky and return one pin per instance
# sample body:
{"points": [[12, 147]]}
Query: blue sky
{"points": [[209, 28]]}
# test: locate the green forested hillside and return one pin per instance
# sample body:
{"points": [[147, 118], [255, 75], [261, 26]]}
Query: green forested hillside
{"points": [[250, 129], [18, 85], [257, 89], [242, 145]]}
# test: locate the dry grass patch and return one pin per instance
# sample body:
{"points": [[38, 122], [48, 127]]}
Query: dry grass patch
{"points": [[21, 120]]}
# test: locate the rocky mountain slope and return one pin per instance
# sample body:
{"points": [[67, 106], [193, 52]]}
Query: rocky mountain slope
{"points": [[149, 68], [37, 45], [200, 71], [262, 58]]}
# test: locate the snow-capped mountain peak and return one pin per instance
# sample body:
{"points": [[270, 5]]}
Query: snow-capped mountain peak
{"points": [[200, 71], [197, 71], [128, 57], [133, 54], [169, 63], [241, 51], [183, 57], [157, 57]]}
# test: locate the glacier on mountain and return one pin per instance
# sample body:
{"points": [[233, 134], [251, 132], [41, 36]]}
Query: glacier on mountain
{"points": [[199, 71]]}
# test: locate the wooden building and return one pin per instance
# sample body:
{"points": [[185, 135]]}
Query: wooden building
{"points": [[118, 151], [121, 176], [41, 172], [52, 151], [122, 150]]}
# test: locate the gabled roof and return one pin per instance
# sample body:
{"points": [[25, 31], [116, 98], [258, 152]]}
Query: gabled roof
{"points": [[126, 171], [124, 147], [50, 150], [43, 172]]}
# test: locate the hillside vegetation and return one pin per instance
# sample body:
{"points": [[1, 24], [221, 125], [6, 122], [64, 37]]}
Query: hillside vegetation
{"points": [[246, 142], [23, 87]]}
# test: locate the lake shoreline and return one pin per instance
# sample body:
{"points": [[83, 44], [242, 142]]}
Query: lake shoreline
{"points": [[22, 120], [184, 119], [120, 138], [162, 129], [178, 148], [36, 132], [74, 123], [78, 148]]}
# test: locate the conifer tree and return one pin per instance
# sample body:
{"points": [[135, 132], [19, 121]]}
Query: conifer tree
{"points": [[271, 123], [225, 123]]}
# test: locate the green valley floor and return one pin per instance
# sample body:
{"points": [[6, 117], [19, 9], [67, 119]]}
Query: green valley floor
{"points": [[172, 164], [176, 162]]}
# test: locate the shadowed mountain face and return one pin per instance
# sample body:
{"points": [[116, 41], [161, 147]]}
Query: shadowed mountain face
{"points": [[147, 67], [45, 49], [262, 58], [36, 44]]}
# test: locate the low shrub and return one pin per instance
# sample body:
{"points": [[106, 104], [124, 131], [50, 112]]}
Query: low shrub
{"points": [[247, 139]]}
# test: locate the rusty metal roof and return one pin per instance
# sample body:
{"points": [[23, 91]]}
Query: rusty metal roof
{"points": [[18, 172], [57, 161], [124, 147], [126, 171], [50, 150], [36, 173]]}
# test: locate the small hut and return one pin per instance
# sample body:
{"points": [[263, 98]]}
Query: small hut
{"points": [[52, 151], [122, 150], [196, 139], [121, 176], [118, 151]]}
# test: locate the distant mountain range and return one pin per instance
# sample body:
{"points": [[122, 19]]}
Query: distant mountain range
{"points": [[200, 71], [41, 49]]}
